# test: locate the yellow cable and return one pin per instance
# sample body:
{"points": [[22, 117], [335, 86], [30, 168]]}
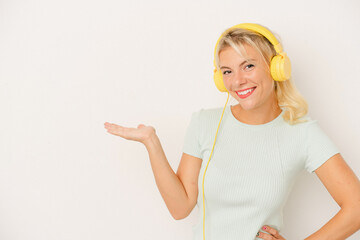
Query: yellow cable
{"points": [[207, 167]]}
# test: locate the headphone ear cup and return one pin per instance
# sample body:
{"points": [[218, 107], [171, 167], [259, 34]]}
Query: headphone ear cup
{"points": [[280, 67], [219, 82]]}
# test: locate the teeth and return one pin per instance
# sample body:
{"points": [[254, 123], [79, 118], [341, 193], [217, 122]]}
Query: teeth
{"points": [[246, 92]]}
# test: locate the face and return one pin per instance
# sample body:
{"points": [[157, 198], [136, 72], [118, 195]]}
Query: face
{"points": [[247, 80]]}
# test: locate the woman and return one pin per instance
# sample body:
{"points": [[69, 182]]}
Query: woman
{"points": [[262, 144]]}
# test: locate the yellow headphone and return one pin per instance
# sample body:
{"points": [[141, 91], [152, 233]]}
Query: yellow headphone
{"points": [[280, 68], [280, 65]]}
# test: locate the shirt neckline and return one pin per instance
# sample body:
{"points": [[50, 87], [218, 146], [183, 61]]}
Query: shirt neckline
{"points": [[272, 123]]}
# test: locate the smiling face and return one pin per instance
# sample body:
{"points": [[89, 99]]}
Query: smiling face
{"points": [[248, 80]]}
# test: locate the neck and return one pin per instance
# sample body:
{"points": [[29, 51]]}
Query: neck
{"points": [[256, 116]]}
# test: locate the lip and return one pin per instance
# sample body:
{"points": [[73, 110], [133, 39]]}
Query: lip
{"points": [[245, 89], [246, 95]]}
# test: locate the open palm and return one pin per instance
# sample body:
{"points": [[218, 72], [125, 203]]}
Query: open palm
{"points": [[140, 134]]}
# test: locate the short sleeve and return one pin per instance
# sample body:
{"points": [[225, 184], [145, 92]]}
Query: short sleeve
{"points": [[319, 147], [191, 141]]}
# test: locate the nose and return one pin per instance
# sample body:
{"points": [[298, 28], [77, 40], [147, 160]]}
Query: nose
{"points": [[239, 79]]}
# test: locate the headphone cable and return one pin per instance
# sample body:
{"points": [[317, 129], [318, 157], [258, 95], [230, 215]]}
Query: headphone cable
{"points": [[207, 167]]}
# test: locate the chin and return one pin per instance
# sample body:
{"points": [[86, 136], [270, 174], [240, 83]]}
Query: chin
{"points": [[246, 107]]}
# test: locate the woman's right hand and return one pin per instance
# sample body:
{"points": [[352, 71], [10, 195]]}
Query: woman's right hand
{"points": [[141, 134]]}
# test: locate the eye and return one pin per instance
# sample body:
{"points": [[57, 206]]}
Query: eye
{"points": [[249, 66], [224, 73]]}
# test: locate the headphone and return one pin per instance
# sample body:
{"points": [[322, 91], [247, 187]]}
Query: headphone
{"points": [[280, 68]]}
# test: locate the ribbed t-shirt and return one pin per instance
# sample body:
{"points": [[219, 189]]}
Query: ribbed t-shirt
{"points": [[251, 171]]}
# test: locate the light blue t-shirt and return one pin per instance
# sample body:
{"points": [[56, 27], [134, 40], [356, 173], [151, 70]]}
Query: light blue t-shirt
{"points": [[251, 171]]}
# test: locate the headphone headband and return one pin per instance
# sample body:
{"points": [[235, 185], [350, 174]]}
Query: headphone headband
{"points": [[255, 28], [280, 65]]}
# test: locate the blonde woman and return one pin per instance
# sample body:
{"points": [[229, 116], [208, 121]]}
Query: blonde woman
{"points": [[251, 153]]}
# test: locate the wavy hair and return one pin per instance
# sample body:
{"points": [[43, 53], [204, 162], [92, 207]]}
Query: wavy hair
{"points": [[288, 97]]}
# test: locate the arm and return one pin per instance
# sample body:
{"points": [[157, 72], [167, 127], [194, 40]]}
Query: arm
{"points": [[180, 190], [344, 186]]}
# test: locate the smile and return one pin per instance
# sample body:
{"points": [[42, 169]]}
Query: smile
{"points": [[246, 93]]}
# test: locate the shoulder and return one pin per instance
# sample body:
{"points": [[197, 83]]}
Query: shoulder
{"points": [[309, 131], [298, 132], [306, 121], [208, 113], [208, 118]]}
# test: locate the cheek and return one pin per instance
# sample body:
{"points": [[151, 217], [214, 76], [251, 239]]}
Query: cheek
{"points": [[269, 88], [227, 82], [267, 82], [266, 87], [225, 79]]}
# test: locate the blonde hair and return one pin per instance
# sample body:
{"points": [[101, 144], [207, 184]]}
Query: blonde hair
{"points": [[288, 97]]}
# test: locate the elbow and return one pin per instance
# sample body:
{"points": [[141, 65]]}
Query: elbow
{"points": [[181, 213], [179, 217]]}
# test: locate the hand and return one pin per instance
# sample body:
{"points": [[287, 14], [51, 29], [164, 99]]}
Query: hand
{"points": [[272, 234], [140, 134]]}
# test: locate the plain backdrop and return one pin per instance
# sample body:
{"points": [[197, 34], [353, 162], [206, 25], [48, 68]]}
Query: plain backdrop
{"points": [[67, 67]]}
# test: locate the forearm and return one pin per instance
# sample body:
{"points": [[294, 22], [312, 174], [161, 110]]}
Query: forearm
{"points": [[168, 183], [341, 226]]}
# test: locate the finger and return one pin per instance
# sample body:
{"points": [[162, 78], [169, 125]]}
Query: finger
{"points": [[272, 231], [265, 236], [115, 129], [108, 125]]}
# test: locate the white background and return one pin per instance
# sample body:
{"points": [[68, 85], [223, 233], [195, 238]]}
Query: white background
{"points": [[68, 66]]}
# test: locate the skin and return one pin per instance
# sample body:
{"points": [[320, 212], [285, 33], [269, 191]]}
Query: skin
{"points": [[140, 134], [259, 108]]}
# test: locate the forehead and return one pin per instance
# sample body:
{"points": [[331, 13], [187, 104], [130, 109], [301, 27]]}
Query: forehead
{"points": [[243, 52]]}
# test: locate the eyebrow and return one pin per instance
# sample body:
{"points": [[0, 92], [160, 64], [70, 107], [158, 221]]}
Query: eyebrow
{"points": [[240, 64]]}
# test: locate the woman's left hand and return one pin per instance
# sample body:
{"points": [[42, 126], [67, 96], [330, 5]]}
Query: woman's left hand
{"points": [[272, 234]]}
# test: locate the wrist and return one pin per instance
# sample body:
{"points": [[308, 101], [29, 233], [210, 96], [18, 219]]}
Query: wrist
{"points": [[150, 140]]}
